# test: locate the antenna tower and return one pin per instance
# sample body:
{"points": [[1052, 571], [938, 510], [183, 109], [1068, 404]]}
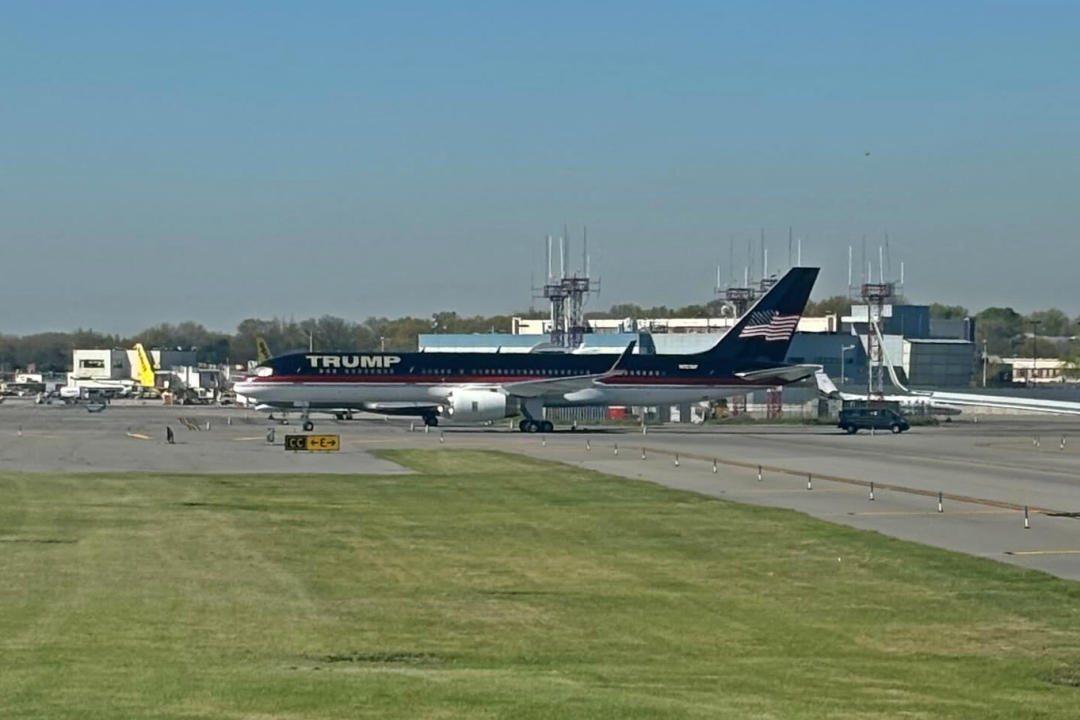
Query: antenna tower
{"points": [[567, 294], [876, 295]]}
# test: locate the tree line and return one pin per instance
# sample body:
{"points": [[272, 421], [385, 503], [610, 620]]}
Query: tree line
{"points": [[51, 351], [1005, 332]]}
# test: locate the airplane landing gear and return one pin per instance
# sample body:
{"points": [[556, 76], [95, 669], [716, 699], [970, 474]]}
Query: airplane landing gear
{"points": [[533, 426], [533, 408], [431, 420], [308, 425]]}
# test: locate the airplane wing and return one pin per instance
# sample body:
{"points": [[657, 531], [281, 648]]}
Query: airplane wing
{"points": [[936, 399], [564, 385], [786, 373], [1003, 402], [401, 408]]}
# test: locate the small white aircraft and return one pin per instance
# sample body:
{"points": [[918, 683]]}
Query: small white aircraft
{"points": [[936, 402]]}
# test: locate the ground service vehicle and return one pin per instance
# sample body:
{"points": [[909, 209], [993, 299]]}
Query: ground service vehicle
{"points": [[869, 418]]}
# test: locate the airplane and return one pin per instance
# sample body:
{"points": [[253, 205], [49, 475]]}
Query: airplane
{"points": [[85, 388], [918, 404], [481, 387], [937, 402]]}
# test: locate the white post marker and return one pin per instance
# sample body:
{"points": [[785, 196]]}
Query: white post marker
{"points": [[643, 453], [809, 481], [714, 466], [1027, 523], [588, 447], [616, 448], [207, 424], [412, 426], [940, 507], [427, 428], [871, 491], [442, 437], [676, 459], [759, 473], [543, 440], [1062, 442]]}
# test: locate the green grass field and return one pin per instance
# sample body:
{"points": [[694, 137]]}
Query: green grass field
{"points": [[490, 585]]}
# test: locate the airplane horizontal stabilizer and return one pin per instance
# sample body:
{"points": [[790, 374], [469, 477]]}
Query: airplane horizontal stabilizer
{"points": [[785, 373]]}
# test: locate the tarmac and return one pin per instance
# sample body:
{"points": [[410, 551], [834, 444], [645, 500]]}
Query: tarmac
{"points": [[986, 472]]}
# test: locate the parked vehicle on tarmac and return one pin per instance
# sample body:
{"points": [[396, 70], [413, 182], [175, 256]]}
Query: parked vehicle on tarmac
{"points": [[870, 418]]}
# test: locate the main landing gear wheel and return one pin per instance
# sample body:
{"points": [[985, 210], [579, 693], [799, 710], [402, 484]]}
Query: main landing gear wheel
{"points": [[431, 420], [308, 426], [533, 426]]}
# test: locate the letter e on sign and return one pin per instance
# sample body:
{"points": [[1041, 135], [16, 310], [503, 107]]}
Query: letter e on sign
{"points": [[313, 443]]}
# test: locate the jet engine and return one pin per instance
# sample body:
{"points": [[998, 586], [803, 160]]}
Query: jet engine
{"points": [[478, 405]]}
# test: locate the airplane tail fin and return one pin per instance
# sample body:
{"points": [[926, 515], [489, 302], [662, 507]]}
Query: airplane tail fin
{"points": [[825, 385], [262, 351], [763, 334], [146, 368]]}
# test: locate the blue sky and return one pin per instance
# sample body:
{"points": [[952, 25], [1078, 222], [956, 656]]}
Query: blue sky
{"points": [[215, 161]]}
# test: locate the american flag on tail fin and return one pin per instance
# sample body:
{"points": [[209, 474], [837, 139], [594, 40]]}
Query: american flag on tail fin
{"points": [[770, 325]]}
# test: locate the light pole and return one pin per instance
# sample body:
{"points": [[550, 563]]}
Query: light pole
{"points": [[1034, 349], [843, 349], [986, 362]]}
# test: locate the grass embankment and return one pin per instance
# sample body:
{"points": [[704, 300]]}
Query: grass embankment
{"points": [[490, 585]]}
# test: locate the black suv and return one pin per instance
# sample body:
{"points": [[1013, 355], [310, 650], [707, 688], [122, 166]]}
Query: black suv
{"points": [[855, 419]]}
